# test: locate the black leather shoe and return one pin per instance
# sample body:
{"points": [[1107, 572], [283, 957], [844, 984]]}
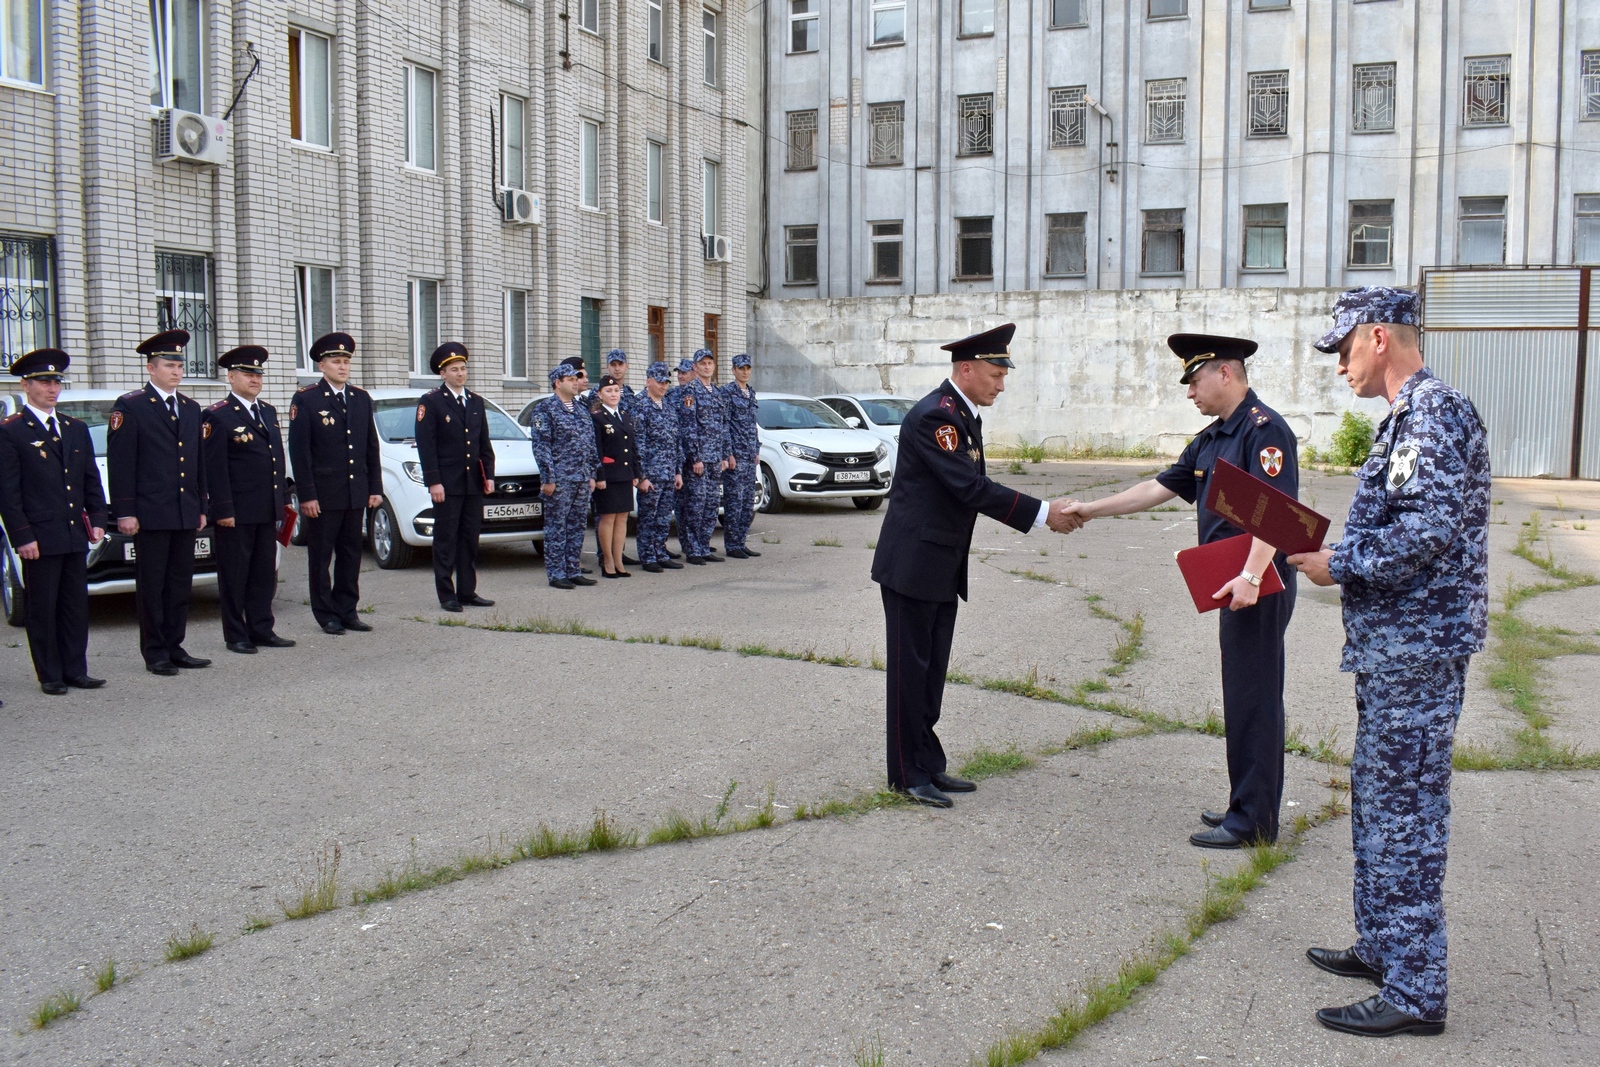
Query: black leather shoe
{"points": [[653, 568], [188, 662], [451, 605], [163, 668], [1212, 818], [929, 795], [671, 566], [54, 689], [562, 583], [675, 555], [1216, 838], [698, 561], [334, 627], [629, 561], [274, 641], [734, 553], [750, 552], [476, 601], [714, 558], [244, 648], [1376, 1017], [586, 570], [611, 574], [581, 580], [951, 784], [1344, 963], [357, 625], [83, 681]]}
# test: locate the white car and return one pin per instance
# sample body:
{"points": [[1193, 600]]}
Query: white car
{"points": [[880, 414], [808, 452], [403, 521]]}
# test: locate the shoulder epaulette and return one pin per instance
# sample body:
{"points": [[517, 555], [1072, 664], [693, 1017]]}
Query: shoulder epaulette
{"points": [[218, 406], [11, 418], [310, 388], [132, 396]]}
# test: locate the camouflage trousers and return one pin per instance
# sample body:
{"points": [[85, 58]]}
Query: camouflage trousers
{"points": [[1400, 825], [566, 515], [697, 510], [655, 519], [738, 502]]}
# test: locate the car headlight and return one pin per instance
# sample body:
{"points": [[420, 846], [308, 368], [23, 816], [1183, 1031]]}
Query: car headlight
{"points": [[883, 450], [802, 451], [413, 471]]}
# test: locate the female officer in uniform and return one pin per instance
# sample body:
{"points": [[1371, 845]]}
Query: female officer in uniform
{"points": [[615, 477]]}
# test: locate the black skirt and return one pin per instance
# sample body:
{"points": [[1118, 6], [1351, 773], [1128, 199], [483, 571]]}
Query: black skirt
{"points": [[615, 498]]}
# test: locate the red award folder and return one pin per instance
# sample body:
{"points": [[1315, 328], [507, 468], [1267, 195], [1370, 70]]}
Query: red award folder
{"points": [[286, 527], [1208, 568], [1264, 511]]}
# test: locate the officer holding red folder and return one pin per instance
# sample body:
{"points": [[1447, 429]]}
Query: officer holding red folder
{"points": [[1252, 436]]}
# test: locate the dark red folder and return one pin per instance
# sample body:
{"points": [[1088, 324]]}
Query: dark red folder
{"points": [[1207, 568], [1264, 510], [286, 527]]}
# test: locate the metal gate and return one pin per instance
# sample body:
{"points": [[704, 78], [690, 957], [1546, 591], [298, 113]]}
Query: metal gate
{"points": [[1517, 341]]}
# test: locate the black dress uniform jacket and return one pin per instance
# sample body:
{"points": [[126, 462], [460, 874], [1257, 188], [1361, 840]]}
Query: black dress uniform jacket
{"points": [[245, 470], [47, 487], [334, 447], [153, 461], [940, 487], [453, 442]]}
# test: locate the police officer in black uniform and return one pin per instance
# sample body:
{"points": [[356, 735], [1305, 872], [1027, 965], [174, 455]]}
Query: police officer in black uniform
{"points": [[246, 476], [52, 505], [158, 497], [333, 447], [940, 486], [458, 466], [1250, 435]]}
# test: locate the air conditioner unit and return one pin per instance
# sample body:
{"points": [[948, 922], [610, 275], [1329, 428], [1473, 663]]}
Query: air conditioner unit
{"points": [[718, 249], [183, 135], [522, 207]]}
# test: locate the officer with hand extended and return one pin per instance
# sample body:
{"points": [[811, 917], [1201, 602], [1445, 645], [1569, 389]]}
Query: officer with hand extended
{"points": [[452, 434], [744, 446], [660, 444], [703, 412], [564, 447]]}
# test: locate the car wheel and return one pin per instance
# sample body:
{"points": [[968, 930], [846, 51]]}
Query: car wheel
{"points": [[867, 503], [392, 552], [298, 538], [768, 499], [11, 590]]}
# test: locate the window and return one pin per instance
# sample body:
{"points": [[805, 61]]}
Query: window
{"points": [[589, 335], [1064, 250], [1065, 13], [803, 25], [1371, 233], [183, 302], [886, 146], [177, 53], [589, 164], [1586, 233], [589, 15], [516, 332], [1486, 91], [654, 31], [422, 321], [1268, 5], [977, 17], [513, 142], [656, 333], [1163, 242], [1269, 104], [313, 311], [800, 255], [1067, 113], [1589, 88], [1266, 236], [1373, 98], [1164, 101], [655, 173], [976, 124], [22, 42], [802, 140], [1163, 9], [711, 198], [421, 111], [888, 21], [975, 248], [310, 78], [888, 241], [708, 20], [27, 295], [1483, 230], [713, 331]]}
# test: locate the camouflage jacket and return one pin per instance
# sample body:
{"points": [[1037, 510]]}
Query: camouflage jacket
{"points": [[743, 441], [563, 441]]}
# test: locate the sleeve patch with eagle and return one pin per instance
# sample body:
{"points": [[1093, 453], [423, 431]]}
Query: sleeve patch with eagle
{"points": [[1272, 461]]}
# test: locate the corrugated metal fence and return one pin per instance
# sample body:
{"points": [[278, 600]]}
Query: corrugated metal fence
{"points": [[1516, 342]]}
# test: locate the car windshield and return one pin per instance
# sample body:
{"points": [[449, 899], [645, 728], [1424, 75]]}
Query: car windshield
{"points": [[797, 414], [94, 412], [397, 421], [887, 411]]}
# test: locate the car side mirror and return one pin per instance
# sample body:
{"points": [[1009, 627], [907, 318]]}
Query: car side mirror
{"points": [[853, 422]]}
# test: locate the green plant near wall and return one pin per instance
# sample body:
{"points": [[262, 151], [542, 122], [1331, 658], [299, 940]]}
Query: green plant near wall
{"points": [[1350, 441]]}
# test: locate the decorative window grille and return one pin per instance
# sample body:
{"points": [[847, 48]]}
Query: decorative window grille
{"points": [[802, 140], [887, 243], [1486, 90], [1372, 98], [1269, 104], [183, 302], [1065, 251], [1371, 233], [1164, 104], [313, 311], [975, 248], [1589, 89], [888, 124], [800, 247], [888, 21], [27, 295], [1483, 230], [1266, 236], [977, 17], [803, 25], [1068, 13], [1163, 242], [1067, 112], [1162, 9], [516, 332], [975, 115]]}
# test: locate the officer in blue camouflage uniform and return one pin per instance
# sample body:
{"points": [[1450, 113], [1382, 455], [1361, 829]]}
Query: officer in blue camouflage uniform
{"points": [[685, 372], [739, 481], [565, 449], [660, 445], [704, 414], [617, 367], [1413, 566]]}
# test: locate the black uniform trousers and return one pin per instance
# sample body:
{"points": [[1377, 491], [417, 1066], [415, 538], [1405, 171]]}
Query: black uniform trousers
{"points": [[163, 573], [247, 579], [58, 615], [334, 537], [1252, 710], [456, 525], [919, 635]]}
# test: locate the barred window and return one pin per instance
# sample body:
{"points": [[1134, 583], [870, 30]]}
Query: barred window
{"points": [[1068, 13], [1163, 242], [1266, 236], [1269, 104], [1486, 91], [1589, 88], [800, 255], [976, 131], [888, 123], [1586, 234], [975, 248], [803, 25], [888, 241], [1371, 233], [1067, 117], [1164, 101], [802, 140], [1065, 252], [183, 302], [27, 295], [1483, 230], [1372, 98]]}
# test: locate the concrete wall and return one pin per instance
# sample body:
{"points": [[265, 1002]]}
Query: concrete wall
{"points": [[1092, 367]]}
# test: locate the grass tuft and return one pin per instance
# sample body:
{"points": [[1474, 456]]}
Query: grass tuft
{"points": [[869, 1053], [105, 977], [61, 1002], [189, 945], [322, 894], [254, 924], [828, 542], [985, 762], [605, 837]]}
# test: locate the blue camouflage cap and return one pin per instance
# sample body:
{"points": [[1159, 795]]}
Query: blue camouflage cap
{"points": [[686, 365], [741, 360], [659, 372], [562, 370], [616, 355], [1370, 303], [702, 353]]}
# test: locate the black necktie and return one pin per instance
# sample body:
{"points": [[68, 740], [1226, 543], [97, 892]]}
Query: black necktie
{"points": [[340, 398], [172, 407], [255, 413], [51, 425]]}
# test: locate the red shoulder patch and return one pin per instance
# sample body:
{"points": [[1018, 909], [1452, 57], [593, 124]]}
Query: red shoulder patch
{"points": [[294, 409], [115, 421], [947, 438], [422, 409], [1271, 461], [205, 430], [946, 404]]}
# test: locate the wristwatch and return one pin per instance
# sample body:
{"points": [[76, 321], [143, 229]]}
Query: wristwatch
{"points": [[1253, 579]]}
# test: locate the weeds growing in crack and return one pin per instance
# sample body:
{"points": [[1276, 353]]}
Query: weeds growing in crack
{"points": [[61, 1002], [869, 1053], [322, 893], [828, 542], [106, 976], [985, 762], [189, 945], [254, 924]]}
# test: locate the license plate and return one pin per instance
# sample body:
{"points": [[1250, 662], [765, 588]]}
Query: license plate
{"points": [[852, 476], [202, 550], [513, 511]]}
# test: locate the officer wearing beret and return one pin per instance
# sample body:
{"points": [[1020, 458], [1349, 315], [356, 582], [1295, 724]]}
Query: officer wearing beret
{"points": [[655, 422], [1250, 435], [52, 505], [744, 446], [158, 497], [247, 478], [1413, 570], [564, 448], [457, 457], [333, 446], [702, 412], [940, 486]]}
